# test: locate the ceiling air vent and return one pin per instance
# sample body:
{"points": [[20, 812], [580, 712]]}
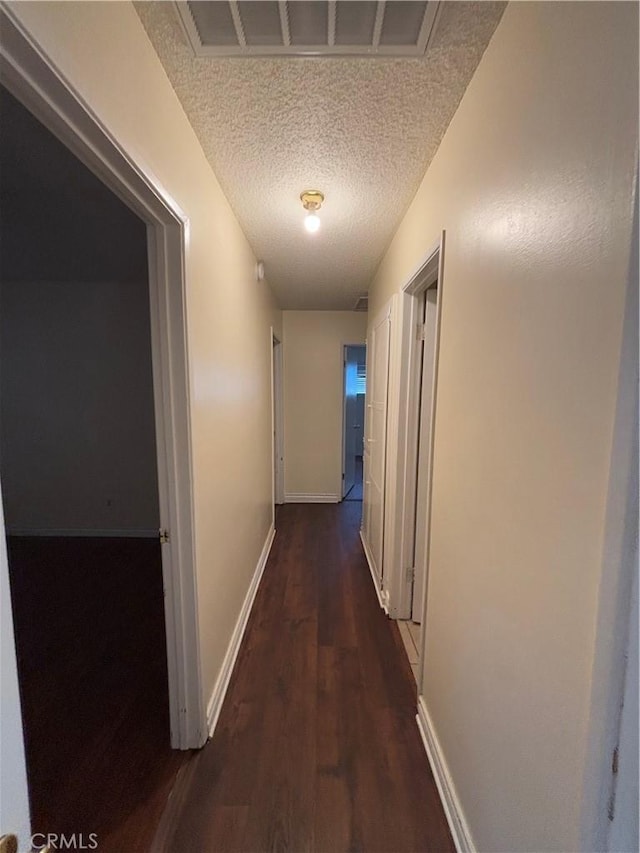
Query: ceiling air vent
{"points": [[362, 304], [308, 27]]}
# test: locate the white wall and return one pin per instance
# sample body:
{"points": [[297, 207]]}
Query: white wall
{"points": [[103, 50], [313, 393], [78, 433], [533, 183]]}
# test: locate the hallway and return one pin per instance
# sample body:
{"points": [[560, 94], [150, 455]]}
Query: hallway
{"points": [[312, 197], [317, 747]]}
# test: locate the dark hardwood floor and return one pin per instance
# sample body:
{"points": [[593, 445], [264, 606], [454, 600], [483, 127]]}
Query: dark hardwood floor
{"points": [[317, 747], [355, 492], [90, 638]]}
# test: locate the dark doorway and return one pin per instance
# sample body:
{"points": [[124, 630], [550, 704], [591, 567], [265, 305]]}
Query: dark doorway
{"points": [[79, 479], [355, 374]]}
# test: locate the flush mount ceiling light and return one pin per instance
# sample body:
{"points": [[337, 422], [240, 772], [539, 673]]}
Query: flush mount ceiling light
{"points": [[312, 202]]}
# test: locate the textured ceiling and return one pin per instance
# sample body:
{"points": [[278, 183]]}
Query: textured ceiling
{"points": [[361, 130]]}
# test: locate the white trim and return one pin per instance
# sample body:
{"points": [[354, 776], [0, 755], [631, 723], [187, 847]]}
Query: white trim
{"points": [[426, 272], [308, 498], [431, 457], [222, 683], [96, 533], [456, 819], [32, 77], [383, 595]]}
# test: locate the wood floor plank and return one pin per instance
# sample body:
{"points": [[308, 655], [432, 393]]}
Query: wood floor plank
{"points": [[317, 747], [89, 624]]}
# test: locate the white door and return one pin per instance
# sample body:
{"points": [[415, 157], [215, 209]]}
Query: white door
{"points": [[376, 439], [14, 801], [423, 454]]}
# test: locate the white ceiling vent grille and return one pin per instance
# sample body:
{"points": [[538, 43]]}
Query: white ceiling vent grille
{"points": [[362, 304], [308, 27]]}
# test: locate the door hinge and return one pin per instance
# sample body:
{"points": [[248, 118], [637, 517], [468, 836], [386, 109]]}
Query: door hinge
{"points": [[421, 331], [410, 574], [164, 536]]}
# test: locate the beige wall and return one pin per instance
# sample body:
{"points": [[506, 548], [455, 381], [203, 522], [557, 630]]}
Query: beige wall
{"points": [[313, 380], [104, 52], [533, 184]]}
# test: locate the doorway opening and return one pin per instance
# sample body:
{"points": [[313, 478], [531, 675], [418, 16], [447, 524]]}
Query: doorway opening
{"points": [[82, 502], [412, 418], [353, 409], [420, 460], [427, 332]]}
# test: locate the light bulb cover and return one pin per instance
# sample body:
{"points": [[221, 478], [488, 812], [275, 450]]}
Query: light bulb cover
{"points": [[312, 202], [312, 222]]}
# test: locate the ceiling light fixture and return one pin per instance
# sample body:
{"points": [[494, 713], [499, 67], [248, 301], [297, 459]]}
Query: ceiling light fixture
{"points": [[312, 202]]}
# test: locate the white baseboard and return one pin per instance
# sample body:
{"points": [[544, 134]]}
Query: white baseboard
{"points": [[93, 533], [220, 689], [383, 597], [320, 498], [462, 837]]}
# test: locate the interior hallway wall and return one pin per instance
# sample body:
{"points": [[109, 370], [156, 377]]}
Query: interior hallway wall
{"points": [[313, 394], [533, 183], [78, 431], [103, 50]]}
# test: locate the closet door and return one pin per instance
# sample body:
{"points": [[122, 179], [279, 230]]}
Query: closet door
{"points": [[376, 439]]}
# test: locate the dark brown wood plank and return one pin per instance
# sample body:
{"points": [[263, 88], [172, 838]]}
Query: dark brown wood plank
{"points": [[89, 624], [317, 747]]}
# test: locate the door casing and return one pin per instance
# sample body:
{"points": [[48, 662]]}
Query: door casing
{"points": [[403, 431], [420, 454], [35, 81]]}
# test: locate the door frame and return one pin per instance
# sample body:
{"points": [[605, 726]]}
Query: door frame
{"points": [[277, 423], [403, 433], [36, 82], [417, 456]]}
